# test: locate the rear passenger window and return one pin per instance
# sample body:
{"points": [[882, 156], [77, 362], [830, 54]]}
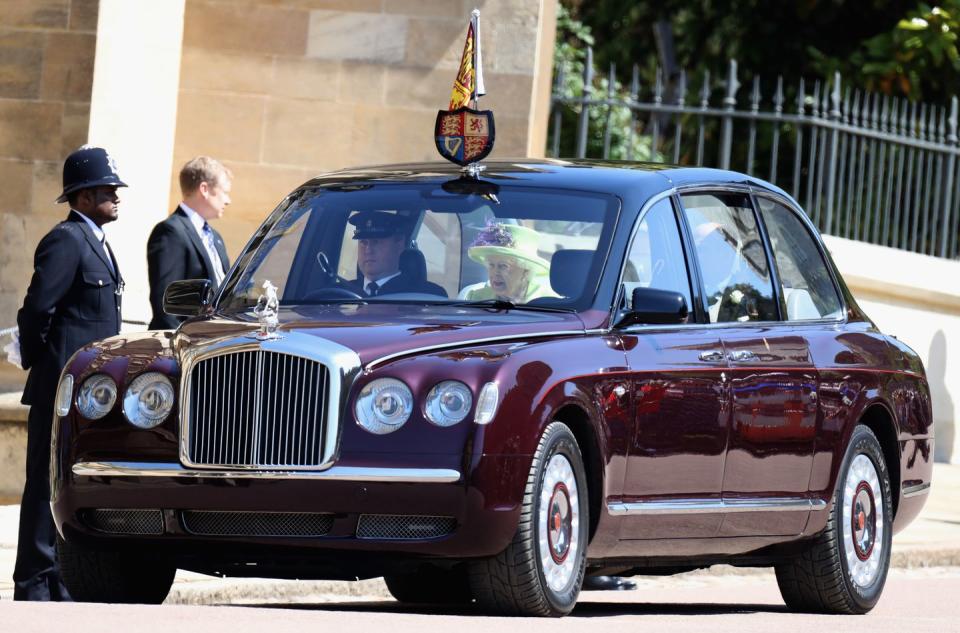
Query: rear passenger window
{"points": [[808, 289], [733, 262], [656, 256]]}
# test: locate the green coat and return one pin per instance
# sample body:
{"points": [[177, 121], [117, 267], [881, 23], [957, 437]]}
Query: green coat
{"points": [[538, 287]]}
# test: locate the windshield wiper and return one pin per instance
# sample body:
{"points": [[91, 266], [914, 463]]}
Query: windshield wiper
{"points": [[503, 304]]}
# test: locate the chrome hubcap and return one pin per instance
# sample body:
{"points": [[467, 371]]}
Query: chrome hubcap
{"points": [[862, 521], [558, 523]]}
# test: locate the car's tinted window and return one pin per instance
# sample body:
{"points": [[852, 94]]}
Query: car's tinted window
{"points": [[428, 242], [808, 289], [729, 249], [656, 258]]}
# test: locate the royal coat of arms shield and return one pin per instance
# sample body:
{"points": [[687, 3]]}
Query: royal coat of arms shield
{"points": [[464, 135]]}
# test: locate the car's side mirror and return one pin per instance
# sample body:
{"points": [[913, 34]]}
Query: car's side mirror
{"points": [[187, 298], [652, 306]]}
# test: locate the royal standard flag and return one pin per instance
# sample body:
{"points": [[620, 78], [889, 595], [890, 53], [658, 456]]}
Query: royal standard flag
{"points": [[469, 82]]}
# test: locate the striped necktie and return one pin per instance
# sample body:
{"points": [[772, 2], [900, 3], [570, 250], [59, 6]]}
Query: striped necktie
{"points": [[211, 246]]}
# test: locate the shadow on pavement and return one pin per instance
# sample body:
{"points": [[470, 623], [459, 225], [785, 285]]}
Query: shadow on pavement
{"points": [[582, 610]]}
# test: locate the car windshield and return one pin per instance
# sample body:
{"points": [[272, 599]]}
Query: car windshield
{"points": [[459, 242]]}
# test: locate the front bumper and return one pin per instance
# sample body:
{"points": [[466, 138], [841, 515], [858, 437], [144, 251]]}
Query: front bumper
{"points": [[482, 507]]}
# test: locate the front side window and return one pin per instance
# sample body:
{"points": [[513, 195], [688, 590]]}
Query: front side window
{"points": [[656, 257], [421, 243], [733, 263], [808, 289]]}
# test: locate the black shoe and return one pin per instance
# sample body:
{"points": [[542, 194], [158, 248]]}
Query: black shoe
{"points": [[607, 583]]}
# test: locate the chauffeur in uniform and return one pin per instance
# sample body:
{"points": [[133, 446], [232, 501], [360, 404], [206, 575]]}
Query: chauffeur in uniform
{"points": [[380, 244], [73, 300], [185, 246]]}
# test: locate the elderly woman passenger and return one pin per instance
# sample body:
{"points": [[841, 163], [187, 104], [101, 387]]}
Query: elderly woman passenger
{"points": [[516, 272]]}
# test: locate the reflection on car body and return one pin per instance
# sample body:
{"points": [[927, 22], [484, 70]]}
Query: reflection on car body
{"points": [[661, 403]]}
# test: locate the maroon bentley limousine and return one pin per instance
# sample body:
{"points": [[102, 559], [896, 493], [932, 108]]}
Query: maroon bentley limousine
{"points": [[487, 388]]}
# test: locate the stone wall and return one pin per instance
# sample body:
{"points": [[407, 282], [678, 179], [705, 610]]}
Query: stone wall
{"points": [[281, 90], [46, 72]]}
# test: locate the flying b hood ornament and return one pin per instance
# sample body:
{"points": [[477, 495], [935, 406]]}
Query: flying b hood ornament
{"points": [[267, 309], [464, 135]]}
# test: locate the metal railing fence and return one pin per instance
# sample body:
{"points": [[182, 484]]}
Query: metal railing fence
{"points": [[865, 166]]}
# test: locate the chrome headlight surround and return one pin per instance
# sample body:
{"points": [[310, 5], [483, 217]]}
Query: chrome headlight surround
{"points": [[64, 395], [383, 406], [96, 396], [448, 403], [148, 400]]}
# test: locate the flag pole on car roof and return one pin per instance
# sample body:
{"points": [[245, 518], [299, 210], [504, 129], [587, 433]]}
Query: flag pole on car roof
{"points": [[464, 135], [478, 88]]}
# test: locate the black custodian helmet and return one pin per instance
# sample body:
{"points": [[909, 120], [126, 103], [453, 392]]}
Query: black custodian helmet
{"points": [[89, 167]]}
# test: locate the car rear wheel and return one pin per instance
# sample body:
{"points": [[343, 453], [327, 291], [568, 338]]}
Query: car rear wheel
{"points": [[431, 585], [844, 569], [97, 576], [541, 571]]}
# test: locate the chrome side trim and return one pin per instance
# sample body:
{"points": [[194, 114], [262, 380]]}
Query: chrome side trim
{"points": [[477, 341], [335, 473], [913, 491], [709, 506]]}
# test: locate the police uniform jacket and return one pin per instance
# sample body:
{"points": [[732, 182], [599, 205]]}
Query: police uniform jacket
{"points": [[175, 252], [73, 300]]}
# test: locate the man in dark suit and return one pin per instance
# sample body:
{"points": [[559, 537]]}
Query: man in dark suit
{"points": [[381, 241], [73, 300], [185, 246]]}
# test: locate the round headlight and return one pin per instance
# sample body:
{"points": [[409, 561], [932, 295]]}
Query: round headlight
{"points": [[97, 395], [448, 402], [148, 400], [384, 405]]}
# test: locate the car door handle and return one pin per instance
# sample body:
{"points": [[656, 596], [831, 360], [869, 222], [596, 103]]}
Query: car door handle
{"points": [[742, 355], [713, 356]]}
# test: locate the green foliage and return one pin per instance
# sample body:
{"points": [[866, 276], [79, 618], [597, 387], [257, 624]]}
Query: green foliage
{"points": [[573, 38], [918, 58], [895, 46]]}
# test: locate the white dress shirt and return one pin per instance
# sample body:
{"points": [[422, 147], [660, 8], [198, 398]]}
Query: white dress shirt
{"points": [[207, 240], [379, 282]]}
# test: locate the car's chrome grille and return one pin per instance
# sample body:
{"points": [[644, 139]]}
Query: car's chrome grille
{"points": [[257, 409], [125, 521], [403, 527], [212, 523]]}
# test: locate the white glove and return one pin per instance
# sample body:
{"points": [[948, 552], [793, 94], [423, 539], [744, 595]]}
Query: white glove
{"points": [[12, 350]]}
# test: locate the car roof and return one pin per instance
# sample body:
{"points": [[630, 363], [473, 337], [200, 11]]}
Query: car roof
{"points": [[609, 176]]}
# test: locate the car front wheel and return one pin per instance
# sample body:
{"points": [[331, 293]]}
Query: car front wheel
{"points": [[97, 576], [844, 569], [541, 571]]}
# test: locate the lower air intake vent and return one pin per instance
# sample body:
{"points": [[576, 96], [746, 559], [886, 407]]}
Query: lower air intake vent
{"points": [[256, 523], [407, 527], [125, 521]]}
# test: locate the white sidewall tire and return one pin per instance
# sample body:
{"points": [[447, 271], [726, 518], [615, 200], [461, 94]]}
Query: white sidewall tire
{"points": [[864, 445]]}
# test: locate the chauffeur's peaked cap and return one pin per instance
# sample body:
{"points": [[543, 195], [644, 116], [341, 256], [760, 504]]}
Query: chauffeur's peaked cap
{"points": [[377, 224]]}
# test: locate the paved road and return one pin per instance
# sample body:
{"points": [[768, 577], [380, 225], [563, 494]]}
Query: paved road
{"points": [[914, 600]]}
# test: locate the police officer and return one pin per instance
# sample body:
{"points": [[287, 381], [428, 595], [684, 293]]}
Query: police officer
{"points": [[73, 299]]}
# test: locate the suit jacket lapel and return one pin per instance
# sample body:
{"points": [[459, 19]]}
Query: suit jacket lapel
{"points": [[195, 240], [95, 245]]}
